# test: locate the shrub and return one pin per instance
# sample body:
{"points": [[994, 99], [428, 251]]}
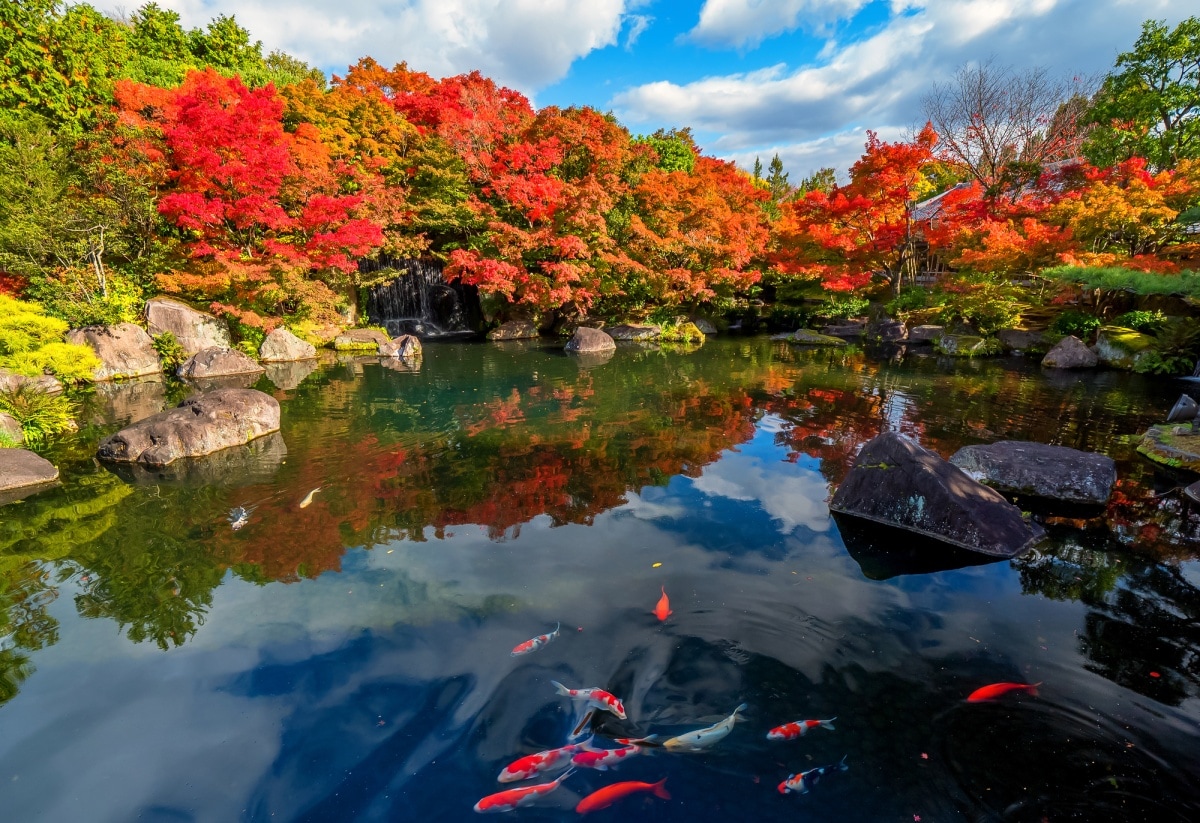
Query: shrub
{"points": [[1176, 347], [1111, 278], [31, 343], [1077, 323], [41, 415], [840, 308], [170, 352], [1147, 322]]}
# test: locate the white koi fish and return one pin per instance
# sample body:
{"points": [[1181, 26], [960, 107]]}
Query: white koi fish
{"points": [[705, 738], [596, 698], [308, 498]]}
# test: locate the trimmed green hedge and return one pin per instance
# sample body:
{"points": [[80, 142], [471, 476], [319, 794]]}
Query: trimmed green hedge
{"points": [[1111, 278]]}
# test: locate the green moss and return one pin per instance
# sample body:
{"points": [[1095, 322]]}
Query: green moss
{"points": [[681, 333], [966, 345]]}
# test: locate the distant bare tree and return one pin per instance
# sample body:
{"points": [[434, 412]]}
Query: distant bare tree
{"points": [[1003, 126]]}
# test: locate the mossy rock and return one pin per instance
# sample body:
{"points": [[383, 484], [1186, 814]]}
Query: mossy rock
{"points": [[808, 337], [683, 333], [1122, 348], [966, 345], [1172, 445]]}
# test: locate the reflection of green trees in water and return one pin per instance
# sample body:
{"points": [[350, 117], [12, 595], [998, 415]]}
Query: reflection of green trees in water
{"points": [[25, 624]]}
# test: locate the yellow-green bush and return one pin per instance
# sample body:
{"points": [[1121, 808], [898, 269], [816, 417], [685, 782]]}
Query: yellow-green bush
{"points": [[31, 343]]}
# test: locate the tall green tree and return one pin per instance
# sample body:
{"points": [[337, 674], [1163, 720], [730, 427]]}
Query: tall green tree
{"points": [[1150, 105]]}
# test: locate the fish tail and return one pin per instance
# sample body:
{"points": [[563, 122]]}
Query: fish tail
{"points": [[559, 688], [829, 723], [557, 626], [660, 789], [842, 764], [737, 712], [1033, 689], [558, 780]]}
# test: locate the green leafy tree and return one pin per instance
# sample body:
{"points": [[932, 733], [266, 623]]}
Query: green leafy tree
{"points": [[1150, 106], [676, 149]]}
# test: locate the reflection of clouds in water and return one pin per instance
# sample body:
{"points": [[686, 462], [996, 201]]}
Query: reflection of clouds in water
{"points": [[643, 509], [792, 495]]}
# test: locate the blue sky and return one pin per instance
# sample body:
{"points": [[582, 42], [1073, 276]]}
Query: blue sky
{"points": [[801, 78]]}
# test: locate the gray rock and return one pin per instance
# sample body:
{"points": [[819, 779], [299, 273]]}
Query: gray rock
{"points": [[255, 462], [1038, 470], [1070, 353], [125, 350], [887, 331], [405, 347], [281, 346], [925, 334], [1018, 340], [807, 337], [11, 428], [898, 483], [1122, 348], [703, 325], [195, 330], [47, 383], [514, 330], [199, 425], [360, 340], [850, 328], [631, 332], [22, 470], [217, 363], [965, 345], [589, 341]]}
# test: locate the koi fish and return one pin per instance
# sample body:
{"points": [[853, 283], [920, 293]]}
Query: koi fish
{"points": [[601, 759], [999, 690], [535, 643], [663, 610], [239, 517], [603, 798], [790, 731], [510, 799], [803, 782], [596, 698], [532, 764], [308, 498], [705, 738]]}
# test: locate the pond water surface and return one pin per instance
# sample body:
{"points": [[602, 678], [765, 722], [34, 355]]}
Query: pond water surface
{"points": [[350, 659]]}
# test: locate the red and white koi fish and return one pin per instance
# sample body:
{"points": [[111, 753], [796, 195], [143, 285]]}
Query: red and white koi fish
{"points": [[803, 782], [603, 798], [601, 759], [999, 690], [533, 764], [535, 643], [663, 610], [701, 739], [790, 731], [510, 799], [596, 698]]}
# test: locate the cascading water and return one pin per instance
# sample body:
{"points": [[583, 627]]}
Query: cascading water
{"points": [[419, 301]]}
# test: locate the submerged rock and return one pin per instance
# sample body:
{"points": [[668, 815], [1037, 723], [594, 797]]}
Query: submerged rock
{"points": [[807, 337], [589, 341], [360, 340], [125, 350], [514, 330], [1070, 353], [1038, 470], [22, 472], [217, 363], [898, 483], [198, 426], [281, 346], [195, 330]]}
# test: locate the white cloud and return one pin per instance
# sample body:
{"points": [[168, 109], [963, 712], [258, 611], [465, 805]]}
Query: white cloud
{"points": [[742, 23], [638, 23], [526, 44]]}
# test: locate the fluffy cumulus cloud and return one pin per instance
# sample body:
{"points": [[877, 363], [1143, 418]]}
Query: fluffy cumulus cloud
{"points": [[818, 113], [526, 44], [743, 23]]}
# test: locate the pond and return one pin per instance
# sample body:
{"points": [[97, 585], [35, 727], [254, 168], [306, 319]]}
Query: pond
{"points": [[349, 659]]}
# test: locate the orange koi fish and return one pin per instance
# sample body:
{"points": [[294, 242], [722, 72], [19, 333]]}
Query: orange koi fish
{"points": [[535, 643], [790, 731], [663, 610], [601, 759], [532, 764], [605, 797], [999, 690], [511, 799], [597, 698], [804, 781]]}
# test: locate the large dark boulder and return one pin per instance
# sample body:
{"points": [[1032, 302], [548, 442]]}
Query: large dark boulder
{"points": [[217, 363], [23, 472], [887, 330], [898, 483], [1070, 353], [125, 350], [589, 341], [514, 330], [199, 425], [281, 346], [1038, 470], [195, 330]]}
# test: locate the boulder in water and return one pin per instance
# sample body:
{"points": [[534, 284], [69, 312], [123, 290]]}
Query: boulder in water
{"points": [[195, 330], [898, 483], [589, 341], [925, 334], [46, 383], [633, 332], [125, 350], [198, 426], [217, 363], [1122, 348], [514, 330], [22, 472], [281, 346], [360, 340], [1070, 353], [405, 347], [808, 337], [1039, 470]]}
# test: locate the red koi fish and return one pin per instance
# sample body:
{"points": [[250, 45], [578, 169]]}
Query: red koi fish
{"points": [[803, 782], [605, 797], [601, 759], [535, 643], [663, 610], [532, 764], [999, 690], [790, 731], [510, 799], [596, 698]]}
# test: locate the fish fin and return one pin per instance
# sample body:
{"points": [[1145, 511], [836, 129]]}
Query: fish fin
{"points": [[842, 763], [738, 711], [560, 688], [650, 741], [1033, 689], [829, 724], [564, 775], [600, 767], [660, 789], [557, 626]]}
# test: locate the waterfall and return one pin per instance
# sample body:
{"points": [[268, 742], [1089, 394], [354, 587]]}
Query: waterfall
{"points": [[419, 301]]}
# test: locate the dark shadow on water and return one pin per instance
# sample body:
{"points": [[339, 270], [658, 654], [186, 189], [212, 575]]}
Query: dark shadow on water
{"points": [[883, 552]]}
